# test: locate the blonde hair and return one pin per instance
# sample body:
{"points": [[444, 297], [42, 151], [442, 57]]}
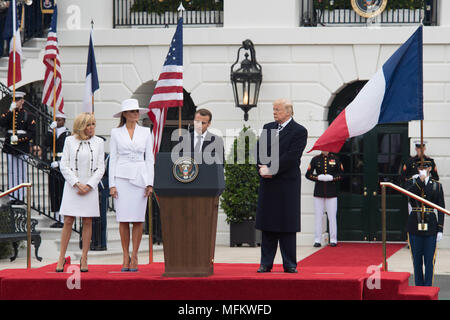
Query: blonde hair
{"points": [[286, 104], [80, 124]]}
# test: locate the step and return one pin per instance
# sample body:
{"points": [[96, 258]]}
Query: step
{"points": [[419, 293], [30, 52], [35, 43], [390, 285]]}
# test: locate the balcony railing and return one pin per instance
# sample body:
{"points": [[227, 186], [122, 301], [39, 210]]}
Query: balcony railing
{"points": [[340, 12], [135, 13]]}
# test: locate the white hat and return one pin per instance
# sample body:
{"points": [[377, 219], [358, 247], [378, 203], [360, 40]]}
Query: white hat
{"points": [[60, 115], [130, 104], [20, 94]]}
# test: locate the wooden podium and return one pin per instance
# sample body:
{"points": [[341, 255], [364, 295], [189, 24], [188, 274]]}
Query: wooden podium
{"points": [[188, 217]]}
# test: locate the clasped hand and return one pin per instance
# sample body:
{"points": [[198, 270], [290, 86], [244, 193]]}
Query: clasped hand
{"points": [[113, 192], [83, 188], [264, 171]]}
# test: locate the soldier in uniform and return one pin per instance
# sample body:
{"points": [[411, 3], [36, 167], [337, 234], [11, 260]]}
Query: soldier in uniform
{"points": [[424, 230], [410, 169], [328, 170], [17, 145], [56, 181]]}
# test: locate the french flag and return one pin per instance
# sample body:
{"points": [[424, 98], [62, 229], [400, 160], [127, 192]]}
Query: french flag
{"points": [[11, 33], [91, 84], [394, 94]]}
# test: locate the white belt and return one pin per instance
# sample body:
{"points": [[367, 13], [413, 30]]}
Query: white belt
{"points": [[18, 131], [132, 157]]}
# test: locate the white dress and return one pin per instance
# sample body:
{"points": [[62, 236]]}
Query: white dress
{"points": [[131, 170], [82, 161]]}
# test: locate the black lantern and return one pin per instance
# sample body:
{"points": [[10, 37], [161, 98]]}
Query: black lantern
{"points": [[246, 80]]}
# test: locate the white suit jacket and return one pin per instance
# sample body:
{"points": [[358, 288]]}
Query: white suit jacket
{"points": [[131, 159], [68, 165]]}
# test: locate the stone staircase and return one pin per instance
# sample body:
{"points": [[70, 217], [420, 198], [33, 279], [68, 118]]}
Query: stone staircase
{"points": [[32, 54]]}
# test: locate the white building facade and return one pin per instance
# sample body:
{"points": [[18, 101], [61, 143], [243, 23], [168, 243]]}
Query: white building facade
{"points": [[308, 65]]}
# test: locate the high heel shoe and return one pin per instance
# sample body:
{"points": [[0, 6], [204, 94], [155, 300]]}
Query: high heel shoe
{"points": [[61, 270], [126, 269], [83, 270], [134, 269]]}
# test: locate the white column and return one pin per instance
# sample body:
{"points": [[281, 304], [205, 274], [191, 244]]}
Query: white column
{"points": [[261, 13], [444, 12]]}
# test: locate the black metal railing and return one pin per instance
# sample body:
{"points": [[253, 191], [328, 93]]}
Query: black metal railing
{"points": [[24, 167], [128, 13], [340, 12]]}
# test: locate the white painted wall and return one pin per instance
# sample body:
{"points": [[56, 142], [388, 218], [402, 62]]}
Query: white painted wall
{"points": [[306, 65]]}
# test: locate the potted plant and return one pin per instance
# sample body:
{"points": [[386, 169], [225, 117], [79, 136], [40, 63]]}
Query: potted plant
{"points": [[240, 197]]}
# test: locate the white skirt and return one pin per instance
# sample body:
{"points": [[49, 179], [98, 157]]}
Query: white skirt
{"points": [[74, 205], [131, 202]]}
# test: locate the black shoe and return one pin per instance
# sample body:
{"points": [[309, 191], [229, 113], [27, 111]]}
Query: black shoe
{"points": [[61, 270], [333, 244], [317, 245], [291, 270], [57, 225], [263, 269], [83, 270]]}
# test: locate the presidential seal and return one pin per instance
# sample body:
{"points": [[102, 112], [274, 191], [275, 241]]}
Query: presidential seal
{"points": [[369, 8], [185, 169]]}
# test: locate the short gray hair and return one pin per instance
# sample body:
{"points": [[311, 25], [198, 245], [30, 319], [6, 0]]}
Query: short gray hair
{"points": [[287, 105]]}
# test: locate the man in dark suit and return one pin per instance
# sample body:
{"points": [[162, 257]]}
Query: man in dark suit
{"points": [[207, 147], [278, 211]]}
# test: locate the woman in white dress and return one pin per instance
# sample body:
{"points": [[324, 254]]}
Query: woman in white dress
{"points": [[82, 166], [131, 172]]}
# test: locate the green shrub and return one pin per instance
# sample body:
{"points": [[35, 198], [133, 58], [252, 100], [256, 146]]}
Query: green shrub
{"points": [[240, 197], [5, 247]]}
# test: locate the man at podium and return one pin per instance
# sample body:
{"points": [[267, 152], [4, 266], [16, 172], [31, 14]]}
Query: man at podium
{"points": [[202, 142], [280, 148]]}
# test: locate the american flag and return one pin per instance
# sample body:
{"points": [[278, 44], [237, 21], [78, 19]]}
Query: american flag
{"points": [[50, 56], [169, 88], [12, 34]]}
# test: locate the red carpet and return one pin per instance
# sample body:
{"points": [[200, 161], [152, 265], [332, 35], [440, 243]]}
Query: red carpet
{"points": [[331, 273], [355, 255]]}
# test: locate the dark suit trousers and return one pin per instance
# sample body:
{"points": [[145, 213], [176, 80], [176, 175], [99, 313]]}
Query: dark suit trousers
{"points": [[288, 248]]}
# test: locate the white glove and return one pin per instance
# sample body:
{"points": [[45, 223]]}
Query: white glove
{"points": [[322, 177], [14, 138], [13, 106], [53, 125], [423, 173], [416, 176], [329, 177], [439, 236], [54, 164]]}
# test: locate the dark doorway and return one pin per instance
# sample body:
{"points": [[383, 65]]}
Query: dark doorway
{"points": [[369, 159]]}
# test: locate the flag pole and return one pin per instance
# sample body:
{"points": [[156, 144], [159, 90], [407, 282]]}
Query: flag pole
{"points": [[92, 31], [150, 229], [54, 108], [180, 14], [14, 65]]}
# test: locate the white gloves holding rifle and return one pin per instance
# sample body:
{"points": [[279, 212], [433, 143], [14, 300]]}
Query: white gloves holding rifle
{"points": [[325, 177]]}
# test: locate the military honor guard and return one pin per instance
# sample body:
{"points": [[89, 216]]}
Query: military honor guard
{"points": [[17, 143], [56, 179], [424, 225], [325, 170], [278, 209], [410, 169]]}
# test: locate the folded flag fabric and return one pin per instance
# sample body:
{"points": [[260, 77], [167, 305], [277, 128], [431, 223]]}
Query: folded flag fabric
{"points": [[393, 94]]}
